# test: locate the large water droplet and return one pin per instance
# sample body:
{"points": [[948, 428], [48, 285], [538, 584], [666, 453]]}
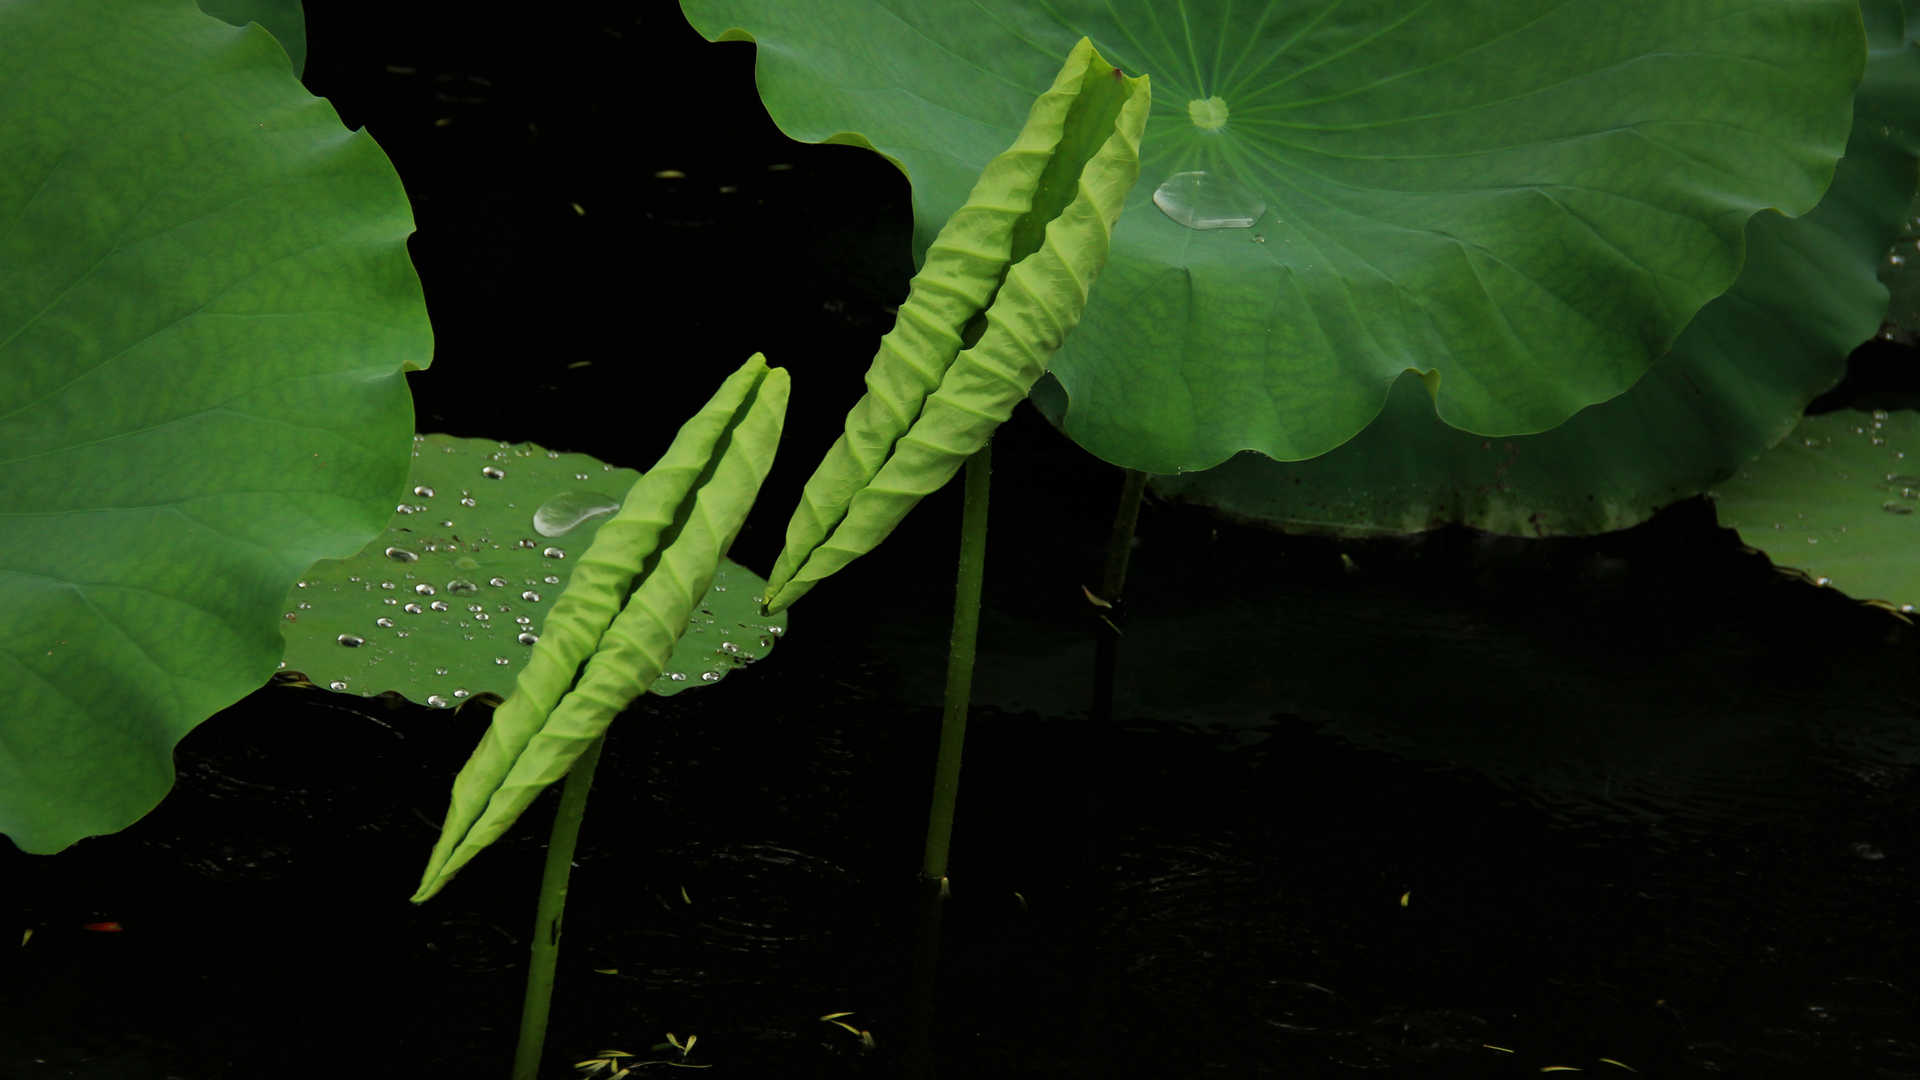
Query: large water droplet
{"points": [[564, 512], [398, 554], [438, 702], [529, 638], [1201, 200], [462, 587], [351, 641], [553, 553], [493, 472], [423, 491]]}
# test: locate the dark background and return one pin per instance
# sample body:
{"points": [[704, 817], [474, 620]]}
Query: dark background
{"points": [[1456, 806]]}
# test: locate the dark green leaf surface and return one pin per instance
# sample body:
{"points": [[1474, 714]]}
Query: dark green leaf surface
{"points": [[613, 630], [1527, 198], [1024, 252], [1735, 382], [440, 608], [281, 18], [1836, 500], [206, 307]]}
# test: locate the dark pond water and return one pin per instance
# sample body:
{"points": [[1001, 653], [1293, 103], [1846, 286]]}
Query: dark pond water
{"points": [[1453, 806]]}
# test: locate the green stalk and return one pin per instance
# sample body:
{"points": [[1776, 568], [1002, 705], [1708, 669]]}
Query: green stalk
{"points": [[1113, 582], [553, 903], [966, 626]]}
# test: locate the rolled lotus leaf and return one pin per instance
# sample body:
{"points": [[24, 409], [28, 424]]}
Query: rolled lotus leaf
{"points": [[611, 637], [1032, 237]]}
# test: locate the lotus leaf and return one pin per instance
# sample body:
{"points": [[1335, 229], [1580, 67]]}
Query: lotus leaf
{"points": [[206, 307], [443, 607], [1003, 285], [1524, 201], [1736, 381], [1836, 499], [614, 629]]}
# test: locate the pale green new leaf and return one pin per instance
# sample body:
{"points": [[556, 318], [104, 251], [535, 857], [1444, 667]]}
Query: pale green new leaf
{"points": [[668, 537], [1031, 238]]}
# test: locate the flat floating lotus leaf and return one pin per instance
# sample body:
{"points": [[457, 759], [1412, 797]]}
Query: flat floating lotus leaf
{"points": [[447, 603], [1736, 381], [1836, 499], [1528, 199], [206, 309]]}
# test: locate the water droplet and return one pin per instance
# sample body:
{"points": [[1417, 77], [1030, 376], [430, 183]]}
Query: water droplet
{"points": [[523, 620], [551, 579], [386, 584], [423, 491], [1201, 200], [729, 648], [528, 638], [304, 605], [529, 543], [383, 621], [461, 692], [337, 684], [403, 508], [565, 512], [674, 676], [776, 631], [438, 605], [468, 500], [292, 616], [502, 661], [423, 589], [1823, 582], [494, 472], [351, 641], [462, 587], [388, 600], [299, 584], [709, 676], [438, 702], [530, 596], [553, 553], [1867, 851]]}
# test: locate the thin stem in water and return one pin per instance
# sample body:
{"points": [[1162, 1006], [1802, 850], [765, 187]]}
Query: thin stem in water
{"points": [[966, 626], [553, 903]]}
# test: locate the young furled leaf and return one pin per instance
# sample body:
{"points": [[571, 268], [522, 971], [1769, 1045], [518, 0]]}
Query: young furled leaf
{"points": [[614, 628], [1002, 285]]}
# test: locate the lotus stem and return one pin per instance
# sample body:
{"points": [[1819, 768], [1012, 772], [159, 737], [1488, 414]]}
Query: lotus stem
{"points": [[553, 903], [966, 626], [1113, 583]]}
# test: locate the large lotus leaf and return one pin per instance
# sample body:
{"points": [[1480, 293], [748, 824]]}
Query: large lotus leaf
{"points": [[1527, 199], [205, 309], [445, 605], [1836, 499], [1003, 285], [282, 18], [1735, 382]]}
